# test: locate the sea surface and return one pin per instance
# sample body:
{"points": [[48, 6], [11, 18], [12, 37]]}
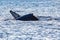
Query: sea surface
{"points": [[46, 28]]}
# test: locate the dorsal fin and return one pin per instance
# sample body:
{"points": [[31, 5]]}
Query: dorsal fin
{"points": [[15, 15]]}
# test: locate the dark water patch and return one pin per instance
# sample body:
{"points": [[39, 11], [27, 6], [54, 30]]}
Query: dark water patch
{"points": [[48, 25], [57, 19], [56, 28], [1, 35], [45, 18]]}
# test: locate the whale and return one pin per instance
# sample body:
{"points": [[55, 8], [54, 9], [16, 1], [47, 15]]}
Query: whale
{"points": [[27, 17]]}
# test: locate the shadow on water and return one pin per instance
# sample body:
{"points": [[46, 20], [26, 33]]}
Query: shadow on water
{"points": [[45, 18], [58, 19], [48, 18]]}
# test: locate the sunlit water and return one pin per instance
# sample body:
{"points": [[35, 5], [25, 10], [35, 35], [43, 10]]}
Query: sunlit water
{"points": [[47, 28]]}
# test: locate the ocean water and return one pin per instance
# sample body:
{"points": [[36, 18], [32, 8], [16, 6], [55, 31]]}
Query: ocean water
{"points": [[47, 28]]}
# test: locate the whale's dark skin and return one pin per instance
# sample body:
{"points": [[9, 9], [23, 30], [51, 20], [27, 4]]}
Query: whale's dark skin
{"points": [[28, 17]]}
